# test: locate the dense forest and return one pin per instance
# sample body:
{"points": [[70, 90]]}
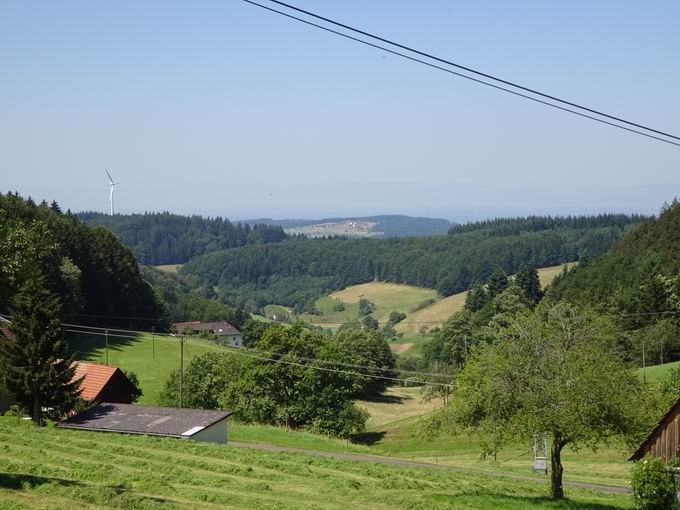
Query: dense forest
{"points": [[390, 225], [164, 238], [296, 272], [88, 269], [638, 280]]}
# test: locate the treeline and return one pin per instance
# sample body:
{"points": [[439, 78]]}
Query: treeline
{"points": [[88, 269], [164, 238], [515, 226], [638, 281], [298, 271]]}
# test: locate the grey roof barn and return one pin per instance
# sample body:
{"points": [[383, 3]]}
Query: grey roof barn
{"points": [[197, 424]]}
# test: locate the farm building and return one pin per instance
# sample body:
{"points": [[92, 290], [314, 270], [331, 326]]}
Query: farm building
{"points": [[105, 383], [663, 441], [223, 330], [196, 424]]}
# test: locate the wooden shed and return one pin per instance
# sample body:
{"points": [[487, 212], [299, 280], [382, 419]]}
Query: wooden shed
{"points": [[663, 441]]}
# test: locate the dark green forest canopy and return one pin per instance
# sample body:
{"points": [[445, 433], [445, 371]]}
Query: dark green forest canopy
{"points": [[164, 238], [635, 277], [297, 271], [91, 272]]}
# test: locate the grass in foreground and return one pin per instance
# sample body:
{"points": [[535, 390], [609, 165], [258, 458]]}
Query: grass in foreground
{"points": [[51, 468], [152, 359]]}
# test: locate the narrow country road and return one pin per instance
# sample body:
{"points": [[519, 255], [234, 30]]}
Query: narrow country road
{"points": [[360, 457]]}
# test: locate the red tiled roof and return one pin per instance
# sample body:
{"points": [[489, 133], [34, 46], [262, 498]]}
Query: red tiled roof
{"points": [[95, 378]]}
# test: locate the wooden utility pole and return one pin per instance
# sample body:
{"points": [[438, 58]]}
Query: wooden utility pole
{"points": [[181, 368], [106, 336], [153, 341]]}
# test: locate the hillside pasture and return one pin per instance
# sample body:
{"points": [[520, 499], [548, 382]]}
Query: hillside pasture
{"points": [[152, 359], [51, 468]]}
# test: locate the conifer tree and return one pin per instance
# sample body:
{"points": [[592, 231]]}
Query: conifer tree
{"points": [[476, 298], [498, 282], [527, 280], [32, 359]]}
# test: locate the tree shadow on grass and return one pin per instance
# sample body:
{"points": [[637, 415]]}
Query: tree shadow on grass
{"points": [[22, 481], [495, 500], [386, 399], [86, 346], [368, 438]]}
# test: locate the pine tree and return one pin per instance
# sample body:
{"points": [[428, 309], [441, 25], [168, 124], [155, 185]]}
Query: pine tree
{"points": [[33, 367], [498, 282], [476, 298], [527, 280]]}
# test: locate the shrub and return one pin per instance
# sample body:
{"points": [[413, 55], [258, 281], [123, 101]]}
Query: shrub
{"points": [[654, 486]]}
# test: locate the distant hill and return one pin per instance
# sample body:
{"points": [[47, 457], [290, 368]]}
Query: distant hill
{"points": [[296, 272], [382, 226], [165, 238]]}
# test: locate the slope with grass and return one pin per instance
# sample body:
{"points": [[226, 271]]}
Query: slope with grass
{"points": [[52, 468], [152, 358]]}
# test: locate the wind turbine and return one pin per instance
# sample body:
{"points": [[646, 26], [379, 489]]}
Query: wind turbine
{"points": [[112, 183]]}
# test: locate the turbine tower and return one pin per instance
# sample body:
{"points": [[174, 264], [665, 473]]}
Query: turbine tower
{"points": [[112, 183]]}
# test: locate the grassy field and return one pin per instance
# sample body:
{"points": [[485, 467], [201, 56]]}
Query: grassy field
{"points": [[151, 359], [50, 468], [656, 373], [169, 268], [389, 297]]}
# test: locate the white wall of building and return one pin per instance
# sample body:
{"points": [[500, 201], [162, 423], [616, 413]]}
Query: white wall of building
{"points": [[216, 433]]}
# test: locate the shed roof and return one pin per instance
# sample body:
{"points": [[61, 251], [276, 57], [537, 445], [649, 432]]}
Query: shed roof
{"points": [[155, 421], [95, 377]]}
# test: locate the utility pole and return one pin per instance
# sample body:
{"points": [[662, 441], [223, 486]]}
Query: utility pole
{"points": [[106, 336], [644, 369], [153, 341], [181, 368]]}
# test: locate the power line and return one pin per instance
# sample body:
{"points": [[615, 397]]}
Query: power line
{"points": [[469, 69], [476, 80], [97, 331]]}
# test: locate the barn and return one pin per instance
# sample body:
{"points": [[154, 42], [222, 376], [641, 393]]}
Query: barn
{"points": [[105, 383], [195, 424], [663, 441]]}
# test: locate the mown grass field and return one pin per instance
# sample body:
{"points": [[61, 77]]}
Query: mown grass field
{"points": [[656, 373], [393, 430], [151, 359], [49, 468]]}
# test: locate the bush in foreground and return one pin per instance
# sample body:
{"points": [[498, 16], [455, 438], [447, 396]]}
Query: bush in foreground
{"points": [[654, 485]]}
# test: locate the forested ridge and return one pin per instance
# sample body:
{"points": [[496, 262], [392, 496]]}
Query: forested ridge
{"points": [[165, 238], [296, 272], [638, 279], [88, 269]]}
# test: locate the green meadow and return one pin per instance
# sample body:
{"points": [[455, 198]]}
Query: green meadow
{"points": [[50, 468]]}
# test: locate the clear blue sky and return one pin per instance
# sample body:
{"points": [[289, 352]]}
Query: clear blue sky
{"points": [[217, 107]]}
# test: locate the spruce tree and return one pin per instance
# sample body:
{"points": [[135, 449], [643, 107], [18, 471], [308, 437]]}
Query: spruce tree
{"points": [[476, 298], [32, 360], [498, 282], [527, 280]]}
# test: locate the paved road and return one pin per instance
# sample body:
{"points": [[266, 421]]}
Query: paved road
{"points": [[424, 465]]}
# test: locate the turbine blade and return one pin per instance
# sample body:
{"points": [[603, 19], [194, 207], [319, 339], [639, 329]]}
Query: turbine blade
{"points": [[107, 173]]}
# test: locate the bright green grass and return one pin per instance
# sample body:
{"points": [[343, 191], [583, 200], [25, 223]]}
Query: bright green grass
{"points": [[656, 373], [60, 469], [151, 359]]}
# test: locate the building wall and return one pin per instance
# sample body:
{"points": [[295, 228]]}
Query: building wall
{"points": [[665, 443], [216, 433], [118, 390]]}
